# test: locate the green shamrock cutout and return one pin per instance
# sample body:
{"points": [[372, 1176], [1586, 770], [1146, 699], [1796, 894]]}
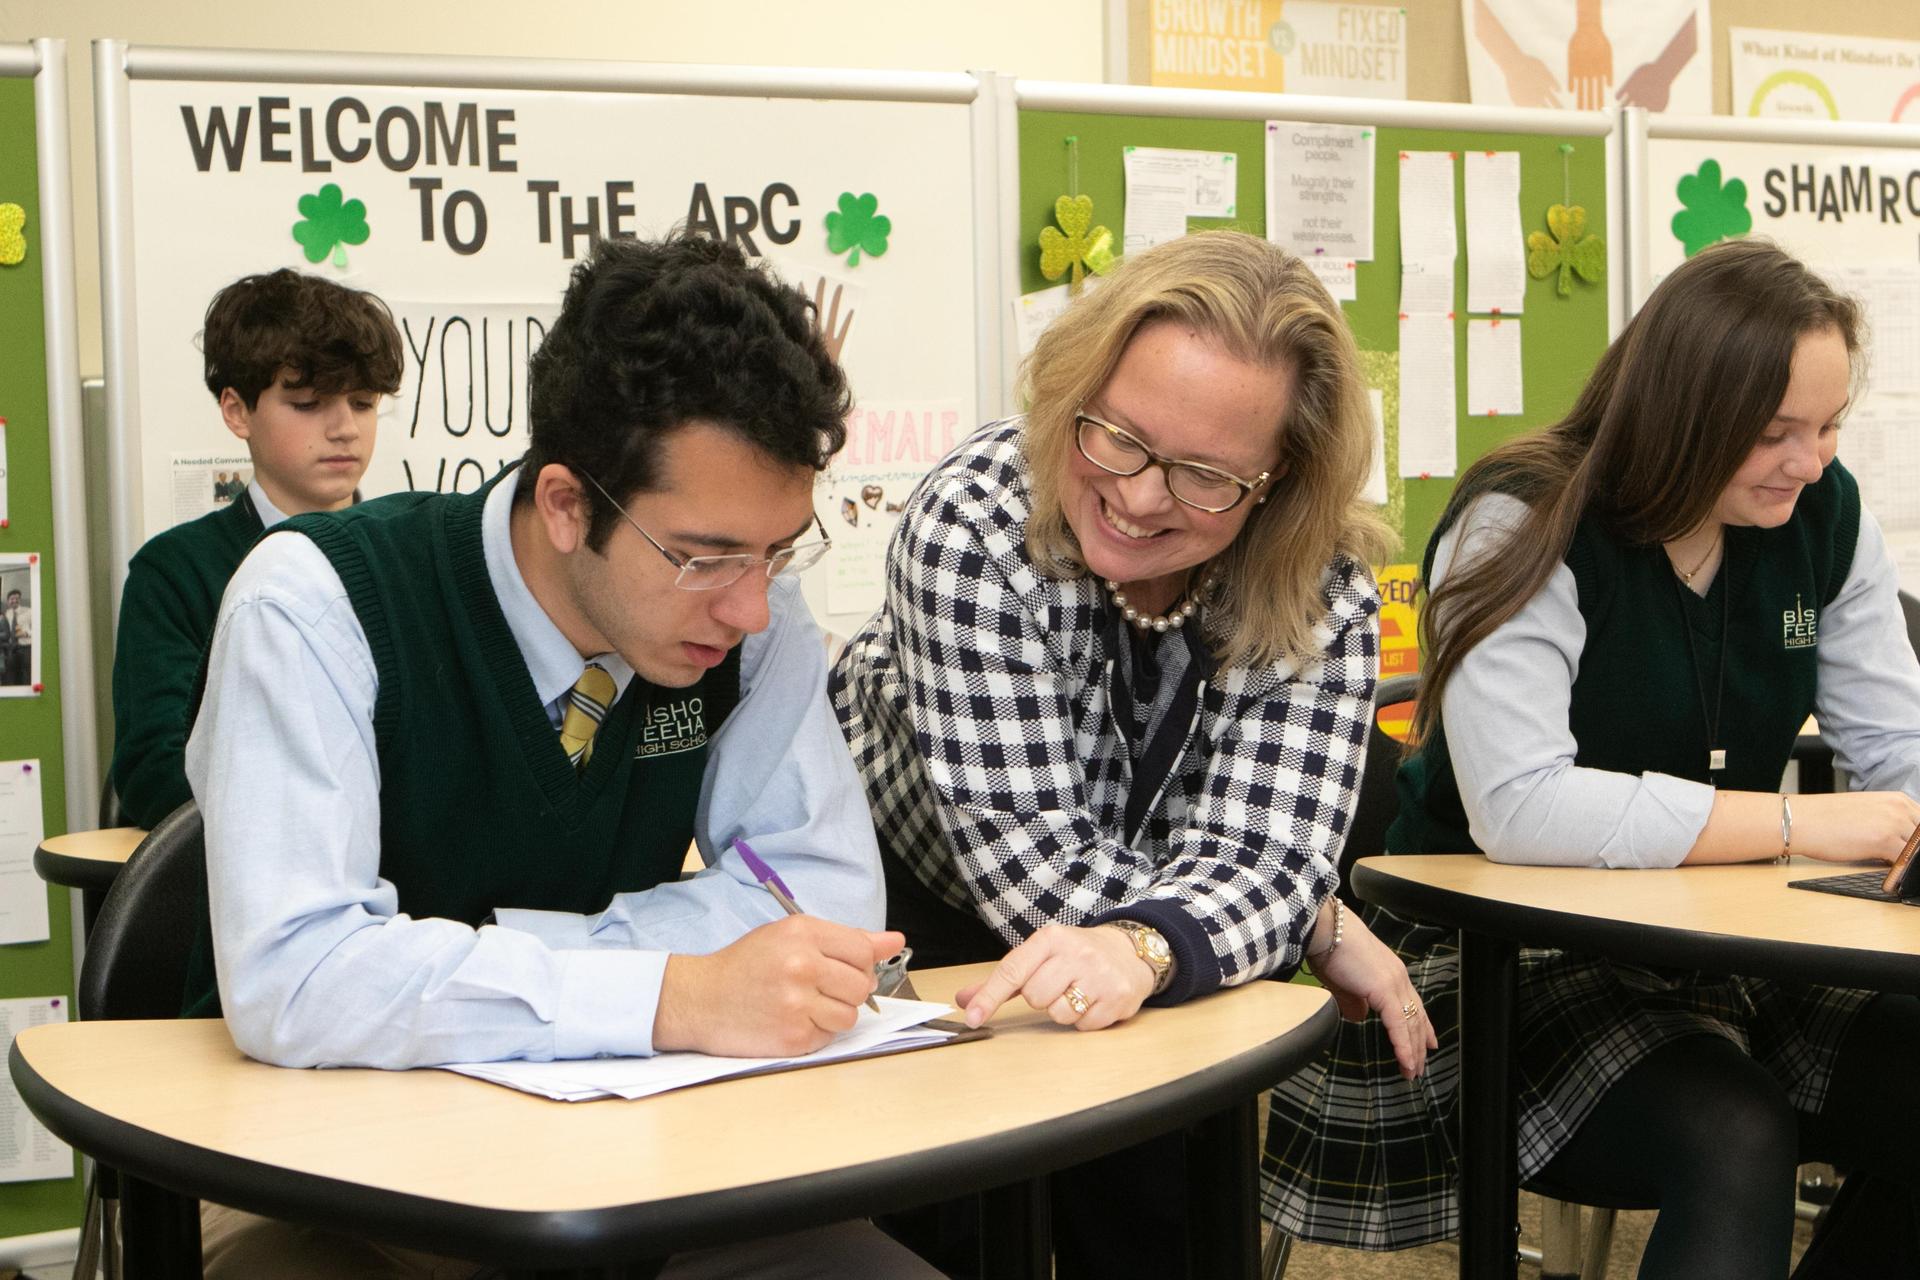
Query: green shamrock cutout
{"points": [[1569, 250], [1077, 245], [330, 225], [1712, 211], [858, 226], [13, 239]]}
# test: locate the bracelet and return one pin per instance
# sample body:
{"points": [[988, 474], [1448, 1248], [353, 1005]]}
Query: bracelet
{"points": [[1786, 829], [1339, 927]]}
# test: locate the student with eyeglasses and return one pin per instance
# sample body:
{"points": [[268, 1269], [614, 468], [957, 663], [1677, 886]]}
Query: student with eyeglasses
{"points": [[1112, 714], [453, 747]]}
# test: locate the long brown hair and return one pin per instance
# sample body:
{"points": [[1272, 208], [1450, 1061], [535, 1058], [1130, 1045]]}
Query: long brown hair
{"points": [[1266, 308], [1674, 407]]}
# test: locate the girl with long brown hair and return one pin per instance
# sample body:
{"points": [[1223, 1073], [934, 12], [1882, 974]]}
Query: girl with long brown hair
{"points": [[1631, 613]]}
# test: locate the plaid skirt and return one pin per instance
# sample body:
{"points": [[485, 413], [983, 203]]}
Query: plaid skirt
{"points": [[1358, 1156]]}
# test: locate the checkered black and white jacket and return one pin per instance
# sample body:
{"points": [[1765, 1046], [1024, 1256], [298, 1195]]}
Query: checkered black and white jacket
{"points": [[976, 702]]}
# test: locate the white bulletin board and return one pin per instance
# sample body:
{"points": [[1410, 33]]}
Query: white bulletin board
{"points": [[463, 190]]}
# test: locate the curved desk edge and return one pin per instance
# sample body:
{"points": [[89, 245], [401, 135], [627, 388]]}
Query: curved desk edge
{"points": [[1635, 941], [664, 1227], [89, 875]]}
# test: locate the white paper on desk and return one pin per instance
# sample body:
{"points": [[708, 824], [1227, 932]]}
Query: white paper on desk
{"points": [[1496, 251], [898, 1025], [1427, 436], [1493, 367], [1428, 243], [1320, 189], [23, 894], [28, 1153], [1376, 486]]}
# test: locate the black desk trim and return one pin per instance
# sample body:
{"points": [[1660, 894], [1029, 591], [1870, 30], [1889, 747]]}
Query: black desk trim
{"points": [[518, 1238], [89, 875], [1639, 941]]}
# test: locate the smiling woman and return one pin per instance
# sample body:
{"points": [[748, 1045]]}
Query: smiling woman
{"points": [[1112, 713]]}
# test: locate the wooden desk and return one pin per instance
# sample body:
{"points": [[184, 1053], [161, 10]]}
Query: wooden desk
{"points": [[1720, 919], [441, 1162], [87, 861]]}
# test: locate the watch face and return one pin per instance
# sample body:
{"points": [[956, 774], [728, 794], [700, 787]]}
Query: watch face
{"points": [[1158, 952]]}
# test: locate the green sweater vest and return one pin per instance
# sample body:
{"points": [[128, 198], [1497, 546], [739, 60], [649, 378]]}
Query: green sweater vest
{"points": [[1637, 700], [167, 612], [479, 807]]}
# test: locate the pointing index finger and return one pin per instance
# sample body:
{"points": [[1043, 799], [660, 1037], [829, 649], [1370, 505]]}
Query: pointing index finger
{"points": [[1006, 981]]}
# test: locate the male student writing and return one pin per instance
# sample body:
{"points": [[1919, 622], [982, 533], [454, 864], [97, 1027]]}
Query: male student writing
{"points": [[453, 747], [297, 364]]}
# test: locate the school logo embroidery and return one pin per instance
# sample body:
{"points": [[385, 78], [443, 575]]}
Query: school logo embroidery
{"points": [[1799, 627], [671, 729]]}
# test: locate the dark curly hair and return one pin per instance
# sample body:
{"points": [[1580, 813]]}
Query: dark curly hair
{"points": [[326, 336], [656, 334]]}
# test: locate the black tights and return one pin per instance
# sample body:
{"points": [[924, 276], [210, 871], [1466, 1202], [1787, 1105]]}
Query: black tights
{"points": [[1702, 1131]]}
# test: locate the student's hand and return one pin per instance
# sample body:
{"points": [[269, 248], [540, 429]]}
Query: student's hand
{"points": [[1853, 826], [785, 988], [1363, 973], [1100, 962]]}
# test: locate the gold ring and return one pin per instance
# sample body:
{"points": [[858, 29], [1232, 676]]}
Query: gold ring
{"points": [[1410, 1008], [1076, 999]]}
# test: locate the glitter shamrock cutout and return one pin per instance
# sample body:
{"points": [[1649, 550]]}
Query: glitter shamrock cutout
{"points": [[1712, 211], [858, 226], [13, 239], [1569, 250], [1077, 245], [331, 223]]}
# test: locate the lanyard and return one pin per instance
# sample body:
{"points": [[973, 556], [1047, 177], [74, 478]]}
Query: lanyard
{"points": [[1716, 755]]}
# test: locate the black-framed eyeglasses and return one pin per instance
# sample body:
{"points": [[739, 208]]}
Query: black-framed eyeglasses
{"points": [[709, 573], [1195, 483]]}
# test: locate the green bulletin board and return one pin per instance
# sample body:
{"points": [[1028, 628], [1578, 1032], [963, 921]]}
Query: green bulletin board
{"points": [[1561, 337], [30, 727]]}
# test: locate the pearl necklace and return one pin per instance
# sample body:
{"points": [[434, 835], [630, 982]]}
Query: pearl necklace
{"points": [[1172, 620]]}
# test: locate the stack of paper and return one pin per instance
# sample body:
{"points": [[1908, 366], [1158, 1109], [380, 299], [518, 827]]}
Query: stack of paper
{"points": [[898, 1025]]}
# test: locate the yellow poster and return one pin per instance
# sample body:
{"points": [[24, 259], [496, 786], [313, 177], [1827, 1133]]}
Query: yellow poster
{"points": [[1215, 44], [1298, 46], [1399, 638]]}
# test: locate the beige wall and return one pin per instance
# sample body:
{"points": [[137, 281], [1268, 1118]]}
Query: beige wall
{"points": [[909, 35]]}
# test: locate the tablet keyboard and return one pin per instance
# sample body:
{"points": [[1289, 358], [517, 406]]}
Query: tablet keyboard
{"points": [[1860, 884]]}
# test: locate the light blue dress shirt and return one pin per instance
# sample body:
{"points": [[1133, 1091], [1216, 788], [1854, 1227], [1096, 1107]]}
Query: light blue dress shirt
{"points": [[317, 966], [1506, 715]]}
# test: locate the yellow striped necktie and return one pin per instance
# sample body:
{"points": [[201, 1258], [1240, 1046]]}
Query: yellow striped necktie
{"points": [[586, 707]]}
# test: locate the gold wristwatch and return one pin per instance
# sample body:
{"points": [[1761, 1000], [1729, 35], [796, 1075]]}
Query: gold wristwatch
{"points": [[1150, 946]]}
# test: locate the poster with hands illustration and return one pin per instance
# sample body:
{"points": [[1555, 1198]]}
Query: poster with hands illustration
{"points": [[1589, 55]]}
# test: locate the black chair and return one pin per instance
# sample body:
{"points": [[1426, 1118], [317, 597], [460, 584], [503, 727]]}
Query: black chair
{"points": [[110, 812], [136, 967], [1375, 803]]}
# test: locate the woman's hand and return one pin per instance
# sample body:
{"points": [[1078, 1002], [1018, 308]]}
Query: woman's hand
{"points": [[1058, 962], [1363, 973], [1853, 826]]}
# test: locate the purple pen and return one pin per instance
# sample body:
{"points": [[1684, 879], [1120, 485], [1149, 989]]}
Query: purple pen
{"points": [[770, 881]]}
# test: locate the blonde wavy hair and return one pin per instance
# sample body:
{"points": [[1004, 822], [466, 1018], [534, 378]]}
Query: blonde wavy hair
{"points": [[1266, 308]]}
